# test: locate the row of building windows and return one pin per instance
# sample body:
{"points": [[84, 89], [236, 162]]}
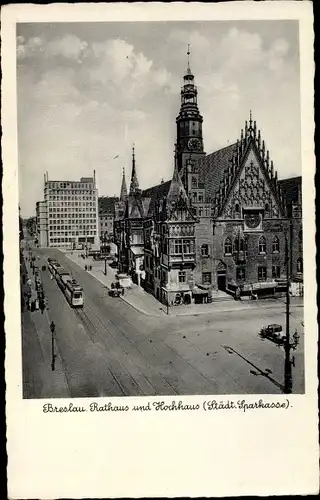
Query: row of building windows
{"points": [[69, 185], [73, 227], [241, 245], [202, 212], [71, 219], [183, 247], [241, 273], [262, 271], [65, 214], [64, 192], [71, 197], [71, 203], [52, 234]]}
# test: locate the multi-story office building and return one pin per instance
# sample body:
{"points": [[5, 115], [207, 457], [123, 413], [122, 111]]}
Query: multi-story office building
{"points": [[71, 212]]}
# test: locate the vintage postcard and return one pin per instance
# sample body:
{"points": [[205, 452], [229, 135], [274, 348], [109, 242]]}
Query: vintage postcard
{"points": [[159, 256]]}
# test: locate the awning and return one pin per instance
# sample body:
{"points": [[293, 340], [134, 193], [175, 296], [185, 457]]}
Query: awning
{"points": [[264, 285]]}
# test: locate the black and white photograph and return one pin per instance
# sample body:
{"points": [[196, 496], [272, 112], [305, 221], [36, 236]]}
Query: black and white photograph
{"points": [[159, 249], [161, 208]]}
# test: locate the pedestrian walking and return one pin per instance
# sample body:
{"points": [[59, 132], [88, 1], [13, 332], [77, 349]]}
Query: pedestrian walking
{"points": [[42, 306]]}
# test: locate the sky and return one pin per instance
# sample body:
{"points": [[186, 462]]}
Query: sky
{"points": [[87, 91]]}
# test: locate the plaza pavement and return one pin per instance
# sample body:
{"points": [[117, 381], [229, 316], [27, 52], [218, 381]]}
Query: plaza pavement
{"points": [[148, 305]]}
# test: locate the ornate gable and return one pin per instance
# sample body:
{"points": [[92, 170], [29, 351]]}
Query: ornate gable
{"points": [[180, 211], [250, 181]]}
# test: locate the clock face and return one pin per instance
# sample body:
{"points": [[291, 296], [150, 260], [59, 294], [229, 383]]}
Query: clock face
{"points": [[252, 220], [194, 144]]}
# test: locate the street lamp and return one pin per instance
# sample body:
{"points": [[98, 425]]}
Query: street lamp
{"points": [[105, 265], [53, 356], [285, 341], [287, 345]]}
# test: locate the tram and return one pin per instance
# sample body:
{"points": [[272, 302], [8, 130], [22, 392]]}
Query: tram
{"points": [[74, 294]]}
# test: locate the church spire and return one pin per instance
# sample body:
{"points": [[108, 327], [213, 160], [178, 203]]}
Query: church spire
{"points": [[134, 185], [123, 191]]}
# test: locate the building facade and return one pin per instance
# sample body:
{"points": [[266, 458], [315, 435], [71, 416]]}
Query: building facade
{"points": [[69, 213], [223, 222], [42, 223], [106, 206]]}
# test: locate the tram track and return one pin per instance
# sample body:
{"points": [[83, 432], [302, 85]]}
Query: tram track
{"points": [[99, 330]]}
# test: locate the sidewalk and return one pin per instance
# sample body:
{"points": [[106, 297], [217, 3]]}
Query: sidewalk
{"points": [[41, 382], [147, 304]]}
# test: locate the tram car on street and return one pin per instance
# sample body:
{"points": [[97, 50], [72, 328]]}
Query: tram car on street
{"points": [[52, 266], [74, 294], [62, 277]]}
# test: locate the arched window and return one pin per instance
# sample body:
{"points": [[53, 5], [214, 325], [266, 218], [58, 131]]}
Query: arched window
{"points": [[262, 245], [267, 207], [205, 250], [236, 245], [241, 245], [275, 245], [194, 182], [300, 265], [228, 246], [237, 208]]}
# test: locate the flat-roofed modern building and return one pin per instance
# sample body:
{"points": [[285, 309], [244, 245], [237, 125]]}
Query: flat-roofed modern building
{"points": [[72, 213]]}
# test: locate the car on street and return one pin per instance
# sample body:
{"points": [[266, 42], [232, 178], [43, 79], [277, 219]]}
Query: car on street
{"points": [[114, 264], [273, 332]]}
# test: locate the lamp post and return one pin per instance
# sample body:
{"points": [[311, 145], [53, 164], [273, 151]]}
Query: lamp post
{"points": [[105, 265], [53, 356], [287, 346]]}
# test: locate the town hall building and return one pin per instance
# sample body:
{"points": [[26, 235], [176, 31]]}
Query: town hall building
{"points": [[224, 222]]}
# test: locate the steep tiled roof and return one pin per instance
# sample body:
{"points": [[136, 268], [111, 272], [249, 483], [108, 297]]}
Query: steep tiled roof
{"points": [[156, 192], [291, 188], [138, 206], [106, 204], [212, 167]]}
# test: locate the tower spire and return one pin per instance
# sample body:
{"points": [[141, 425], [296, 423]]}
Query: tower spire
{"points": [[188, 54], [134, 185], [123, 191]]}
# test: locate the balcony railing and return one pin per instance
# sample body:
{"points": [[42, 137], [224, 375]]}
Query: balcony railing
{"points": [[190, 257]]}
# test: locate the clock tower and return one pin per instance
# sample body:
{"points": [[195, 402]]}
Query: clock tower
{"points": [[189, 126]]}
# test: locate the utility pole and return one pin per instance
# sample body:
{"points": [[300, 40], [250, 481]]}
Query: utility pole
{"points": [[287, 346]]}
